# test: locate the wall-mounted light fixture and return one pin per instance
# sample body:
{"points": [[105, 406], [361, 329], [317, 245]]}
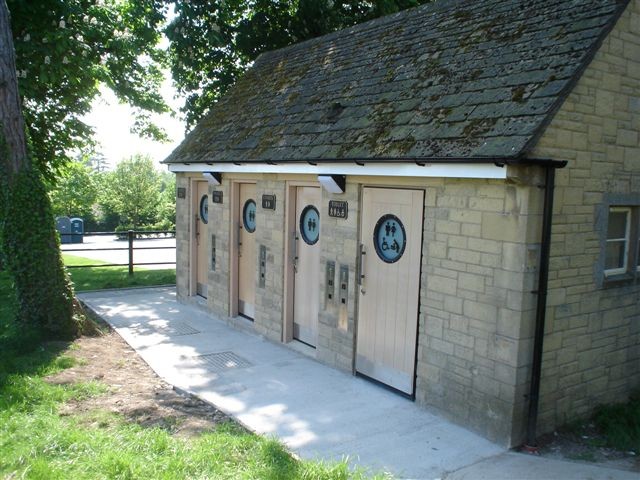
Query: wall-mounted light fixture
{"points": [[333, 183], [214, 178]]}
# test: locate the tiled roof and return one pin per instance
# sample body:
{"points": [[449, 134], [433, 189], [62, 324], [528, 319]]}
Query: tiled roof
{"points": [[453, 78]]}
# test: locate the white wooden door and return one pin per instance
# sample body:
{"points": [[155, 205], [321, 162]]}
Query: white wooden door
{"points": [[201, 207], [247, 250], [391, 242], [306, 303]]}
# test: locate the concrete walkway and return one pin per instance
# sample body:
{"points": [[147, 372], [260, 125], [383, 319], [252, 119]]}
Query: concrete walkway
{"points": [[318, 412]]}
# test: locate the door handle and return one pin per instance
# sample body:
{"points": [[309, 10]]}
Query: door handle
{"points": [[239, 240], [295, 251], [361, 276], [197, 218]]}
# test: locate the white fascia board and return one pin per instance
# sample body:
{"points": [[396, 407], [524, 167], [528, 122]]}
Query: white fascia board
{"points": [[441, 170]]}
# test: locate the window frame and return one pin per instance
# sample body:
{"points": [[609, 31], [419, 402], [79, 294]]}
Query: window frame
{"points": [[627, 241], [638, 251]]}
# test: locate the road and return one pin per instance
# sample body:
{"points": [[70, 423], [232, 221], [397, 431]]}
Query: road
{"points": [[167, 254]]}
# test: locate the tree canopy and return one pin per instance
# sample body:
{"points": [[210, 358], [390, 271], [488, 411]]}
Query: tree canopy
{"points": [[132, 191], [65, 49], [76, 192]]}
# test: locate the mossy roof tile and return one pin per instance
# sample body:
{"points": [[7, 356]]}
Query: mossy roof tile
{"points": [[453, 78]]}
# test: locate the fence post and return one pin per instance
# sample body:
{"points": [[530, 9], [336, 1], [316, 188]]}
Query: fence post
{"points": [[130, 237]]}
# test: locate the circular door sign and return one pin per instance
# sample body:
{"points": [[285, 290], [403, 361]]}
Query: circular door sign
{"points": [[204, 209], [310, 224], [389, 238], [249, 215]]}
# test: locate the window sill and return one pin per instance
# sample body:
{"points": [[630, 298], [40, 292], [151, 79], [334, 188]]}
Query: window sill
{"points": [[619, 280]]}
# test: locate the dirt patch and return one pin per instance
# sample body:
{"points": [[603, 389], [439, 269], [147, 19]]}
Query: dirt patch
{"points": [[134, 390], [586, 444]]}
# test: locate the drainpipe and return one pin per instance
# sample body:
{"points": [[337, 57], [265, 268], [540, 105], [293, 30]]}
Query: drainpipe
{"points": [[541, 306]]}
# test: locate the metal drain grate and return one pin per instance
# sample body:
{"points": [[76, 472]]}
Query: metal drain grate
{"points": [[224, 361], [175, 329]]}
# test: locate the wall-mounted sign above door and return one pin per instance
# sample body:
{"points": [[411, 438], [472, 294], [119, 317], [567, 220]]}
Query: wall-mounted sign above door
{"points": [[269, 202], [338, 209], [216, 196]]}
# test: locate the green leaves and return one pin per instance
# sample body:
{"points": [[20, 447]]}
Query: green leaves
{"points": [[66, 48], [76, 192], [32, 253], [132, 191]]}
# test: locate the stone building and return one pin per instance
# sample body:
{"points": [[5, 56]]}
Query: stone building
{"points": [[382, 199]]}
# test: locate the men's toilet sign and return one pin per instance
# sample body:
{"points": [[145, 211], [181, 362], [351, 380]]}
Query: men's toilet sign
{"points": [[310, 224], [249, 215], [389, 238], [204, 209]]}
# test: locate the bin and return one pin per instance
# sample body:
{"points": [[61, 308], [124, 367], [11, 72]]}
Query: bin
{"points": [[63, 226], [77, 230]]}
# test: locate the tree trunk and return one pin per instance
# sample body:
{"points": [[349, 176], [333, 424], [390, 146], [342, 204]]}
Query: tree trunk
{"points": [[27, 232], [13, 153]]}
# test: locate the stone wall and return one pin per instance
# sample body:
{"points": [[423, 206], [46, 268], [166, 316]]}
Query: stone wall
{"points": [[479, 267], [270, 233], [336, 322], [183, 237], [592, 341], [219, 226]]}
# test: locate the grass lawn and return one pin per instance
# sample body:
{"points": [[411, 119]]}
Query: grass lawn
{"points": [[38, 442], [97, 278], [621, 424]]}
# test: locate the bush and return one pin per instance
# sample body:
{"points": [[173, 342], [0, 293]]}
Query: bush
{"points": [[122, 231]]}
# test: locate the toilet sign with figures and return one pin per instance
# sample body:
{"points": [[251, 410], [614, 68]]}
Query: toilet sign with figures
{"points": [[389, 238], [249, 216], [310, 224]]}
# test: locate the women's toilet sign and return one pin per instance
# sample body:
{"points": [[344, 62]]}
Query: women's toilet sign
{"points": [[389, 238]]}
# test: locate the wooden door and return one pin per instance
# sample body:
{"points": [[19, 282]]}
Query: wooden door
{"points": [[391, 245], [201, 207], [306, 289], [247, 249]]}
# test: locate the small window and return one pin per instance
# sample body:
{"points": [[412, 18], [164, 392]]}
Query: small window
{"points": [[622, 244], [617, 249]]}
